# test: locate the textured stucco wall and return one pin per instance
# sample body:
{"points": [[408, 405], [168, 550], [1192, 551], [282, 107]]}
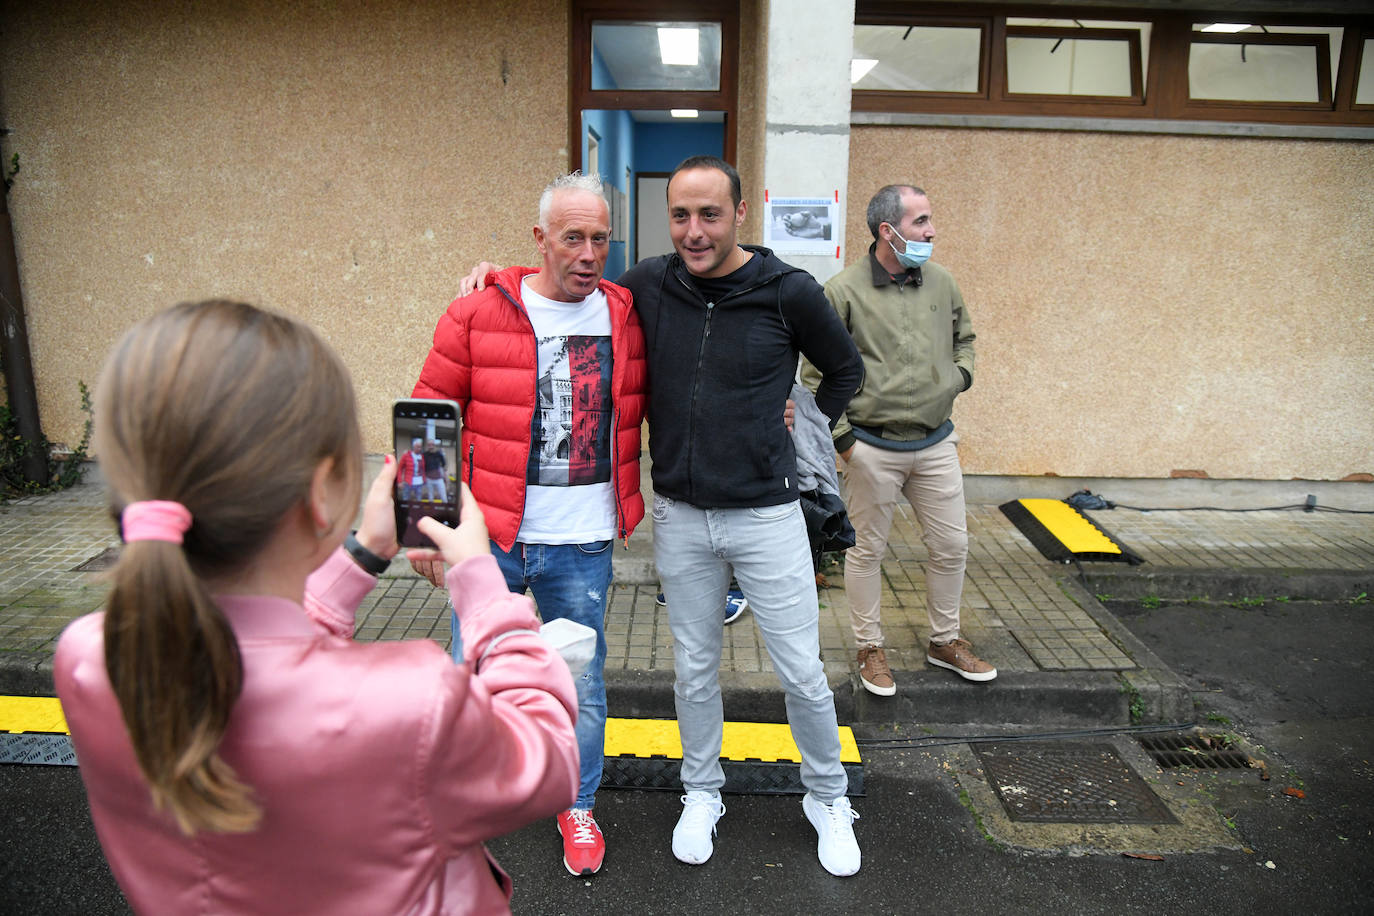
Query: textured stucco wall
{"points": [[1146, 304], [344, 162]]}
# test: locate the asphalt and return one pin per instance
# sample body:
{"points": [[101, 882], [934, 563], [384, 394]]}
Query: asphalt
{"points": [[1063, 658]]}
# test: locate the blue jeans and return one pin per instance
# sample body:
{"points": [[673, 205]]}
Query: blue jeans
{"points": [[767, 547], [573, 581]]}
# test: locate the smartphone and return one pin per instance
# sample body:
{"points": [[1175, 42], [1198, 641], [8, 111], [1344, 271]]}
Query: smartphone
{"points": [[425, 433]]}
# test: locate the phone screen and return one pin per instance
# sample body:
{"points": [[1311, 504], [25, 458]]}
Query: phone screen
{"points": [[425, 433]]}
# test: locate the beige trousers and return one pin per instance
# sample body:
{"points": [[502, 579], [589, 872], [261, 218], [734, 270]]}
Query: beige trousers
{"points": [[932, 483]]}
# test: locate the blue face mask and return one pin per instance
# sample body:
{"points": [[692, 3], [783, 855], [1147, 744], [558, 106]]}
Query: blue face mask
{"points": [[916, 254]]}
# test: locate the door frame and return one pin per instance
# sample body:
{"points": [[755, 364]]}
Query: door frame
{"points": [[581, 96]]}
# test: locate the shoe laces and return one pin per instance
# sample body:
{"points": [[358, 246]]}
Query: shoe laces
{"points": [[584, 826], [876, 662], [700, 809], [839, 815]]}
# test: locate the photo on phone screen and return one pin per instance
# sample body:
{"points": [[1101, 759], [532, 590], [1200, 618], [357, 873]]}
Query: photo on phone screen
{"points": [[425, 433]]}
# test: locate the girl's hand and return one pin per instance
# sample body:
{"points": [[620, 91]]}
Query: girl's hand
{"points": [[455, 545], [377, 532]]}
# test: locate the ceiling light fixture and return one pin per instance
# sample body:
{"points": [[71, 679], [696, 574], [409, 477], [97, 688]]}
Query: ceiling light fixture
{"points": [[683, 112], [1227, 27], [678, 47], [859, 67]]}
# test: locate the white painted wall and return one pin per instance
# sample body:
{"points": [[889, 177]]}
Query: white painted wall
{"points": [[806, 143]]}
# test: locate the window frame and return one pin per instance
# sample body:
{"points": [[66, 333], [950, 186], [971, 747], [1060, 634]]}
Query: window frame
{"points": [[1164, 89], [582, 97], [1320, 44], [1130, 36]]}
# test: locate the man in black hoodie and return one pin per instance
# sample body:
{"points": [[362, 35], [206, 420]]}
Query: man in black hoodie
{"points": [[724, 324]]}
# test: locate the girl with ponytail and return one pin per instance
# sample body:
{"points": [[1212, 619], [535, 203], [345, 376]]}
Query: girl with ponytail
{"points": [[241, 753]]}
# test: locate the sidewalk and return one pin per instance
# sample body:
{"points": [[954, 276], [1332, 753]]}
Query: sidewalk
{"points": [[1061, 657]]}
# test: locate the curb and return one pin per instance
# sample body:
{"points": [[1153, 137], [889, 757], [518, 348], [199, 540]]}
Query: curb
{"points": [[26, 674], [1312, 584], [1158, 694]]}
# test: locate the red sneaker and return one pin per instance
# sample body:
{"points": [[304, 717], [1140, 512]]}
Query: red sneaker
{"points": [[583, 845]]}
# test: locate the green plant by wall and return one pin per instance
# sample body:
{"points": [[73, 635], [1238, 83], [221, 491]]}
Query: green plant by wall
{"points": [[1136, 703], [14, 170], [63, 472]]}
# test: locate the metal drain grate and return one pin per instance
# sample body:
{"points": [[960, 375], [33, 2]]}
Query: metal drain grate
{"points": [[100, 562], [1193, 749], [1069, 783]]}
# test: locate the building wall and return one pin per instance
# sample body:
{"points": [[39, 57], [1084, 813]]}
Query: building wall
{"points": [[343, 162], [1147, 304]]}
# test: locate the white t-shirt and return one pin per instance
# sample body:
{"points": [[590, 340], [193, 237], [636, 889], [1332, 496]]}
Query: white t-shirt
{"points": [[569, 492]]}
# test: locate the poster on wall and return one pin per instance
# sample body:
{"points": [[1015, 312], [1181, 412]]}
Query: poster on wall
{"points": [[800, 225]]}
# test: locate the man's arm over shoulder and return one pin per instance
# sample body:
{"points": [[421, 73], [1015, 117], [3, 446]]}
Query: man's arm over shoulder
{"points": [[825, 343], [447, 372]]}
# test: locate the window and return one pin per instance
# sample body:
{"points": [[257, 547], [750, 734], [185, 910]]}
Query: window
{"points": [[1079, 61], [1364, 92], [1165, 66], [918, 58], [674, 56], [1262, 66]]}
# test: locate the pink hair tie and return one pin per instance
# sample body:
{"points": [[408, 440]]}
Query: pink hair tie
{"points": [[155, 520]]}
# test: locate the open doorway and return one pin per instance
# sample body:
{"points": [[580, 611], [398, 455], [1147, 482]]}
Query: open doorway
{"points": [[654, 81], [635, 152]]}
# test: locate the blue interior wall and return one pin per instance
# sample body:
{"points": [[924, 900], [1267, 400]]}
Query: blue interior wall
{"points": [[660, 147], [615, 131]]}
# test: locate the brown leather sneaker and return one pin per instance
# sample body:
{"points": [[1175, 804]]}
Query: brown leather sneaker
{"points": [[874, 673], [958, 657]]}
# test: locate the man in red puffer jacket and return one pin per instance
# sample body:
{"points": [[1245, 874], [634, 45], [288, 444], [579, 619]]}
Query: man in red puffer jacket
{"points": [[548, 368]]}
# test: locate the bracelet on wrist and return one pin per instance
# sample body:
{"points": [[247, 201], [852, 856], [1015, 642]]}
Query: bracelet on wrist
{"points": [[372, 564]]}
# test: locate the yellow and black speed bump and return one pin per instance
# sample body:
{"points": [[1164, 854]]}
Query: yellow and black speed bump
{"points": [[34, 731], [758, 758], [1063, 534]]}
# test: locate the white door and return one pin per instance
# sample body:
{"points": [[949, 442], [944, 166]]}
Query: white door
{"points": [[651, 217]]}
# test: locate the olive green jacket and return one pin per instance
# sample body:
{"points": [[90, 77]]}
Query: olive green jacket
{"points": [[914, 339]]}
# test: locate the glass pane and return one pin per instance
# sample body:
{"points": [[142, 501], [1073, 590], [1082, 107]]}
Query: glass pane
{"points": [[1068, 66], [1364, 89], [1333, 34], [678, 56], [1142, 27], [916, 58], [1253, 73]]}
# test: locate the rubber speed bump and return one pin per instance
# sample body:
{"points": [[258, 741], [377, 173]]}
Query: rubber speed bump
{"points": [[1063, 534], [759, 758], [34, 731]]}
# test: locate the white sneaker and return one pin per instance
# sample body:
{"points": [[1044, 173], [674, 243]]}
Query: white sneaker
{"points": [[692, 835], [837, 849]]}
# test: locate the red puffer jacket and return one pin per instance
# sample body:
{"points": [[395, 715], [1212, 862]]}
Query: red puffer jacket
{"points": [[485, 357]]}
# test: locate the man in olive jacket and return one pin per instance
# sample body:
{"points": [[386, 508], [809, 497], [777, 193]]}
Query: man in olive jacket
{"points": [[913, 329]]}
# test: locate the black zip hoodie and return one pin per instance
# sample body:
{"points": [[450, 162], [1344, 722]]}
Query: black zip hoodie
{"points": [[720, 370]]}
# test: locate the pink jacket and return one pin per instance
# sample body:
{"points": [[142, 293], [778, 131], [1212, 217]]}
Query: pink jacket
{"points": [[380, 768]]}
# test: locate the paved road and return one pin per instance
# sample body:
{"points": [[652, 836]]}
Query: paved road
{"points": [[1291, 678]]}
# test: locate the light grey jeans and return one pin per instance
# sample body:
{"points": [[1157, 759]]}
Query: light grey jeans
{"points": [[767, 548]]}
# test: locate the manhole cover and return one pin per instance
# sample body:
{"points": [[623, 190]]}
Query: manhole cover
{"points": [[1069, 783], [101, 561], [1193, 749]]}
